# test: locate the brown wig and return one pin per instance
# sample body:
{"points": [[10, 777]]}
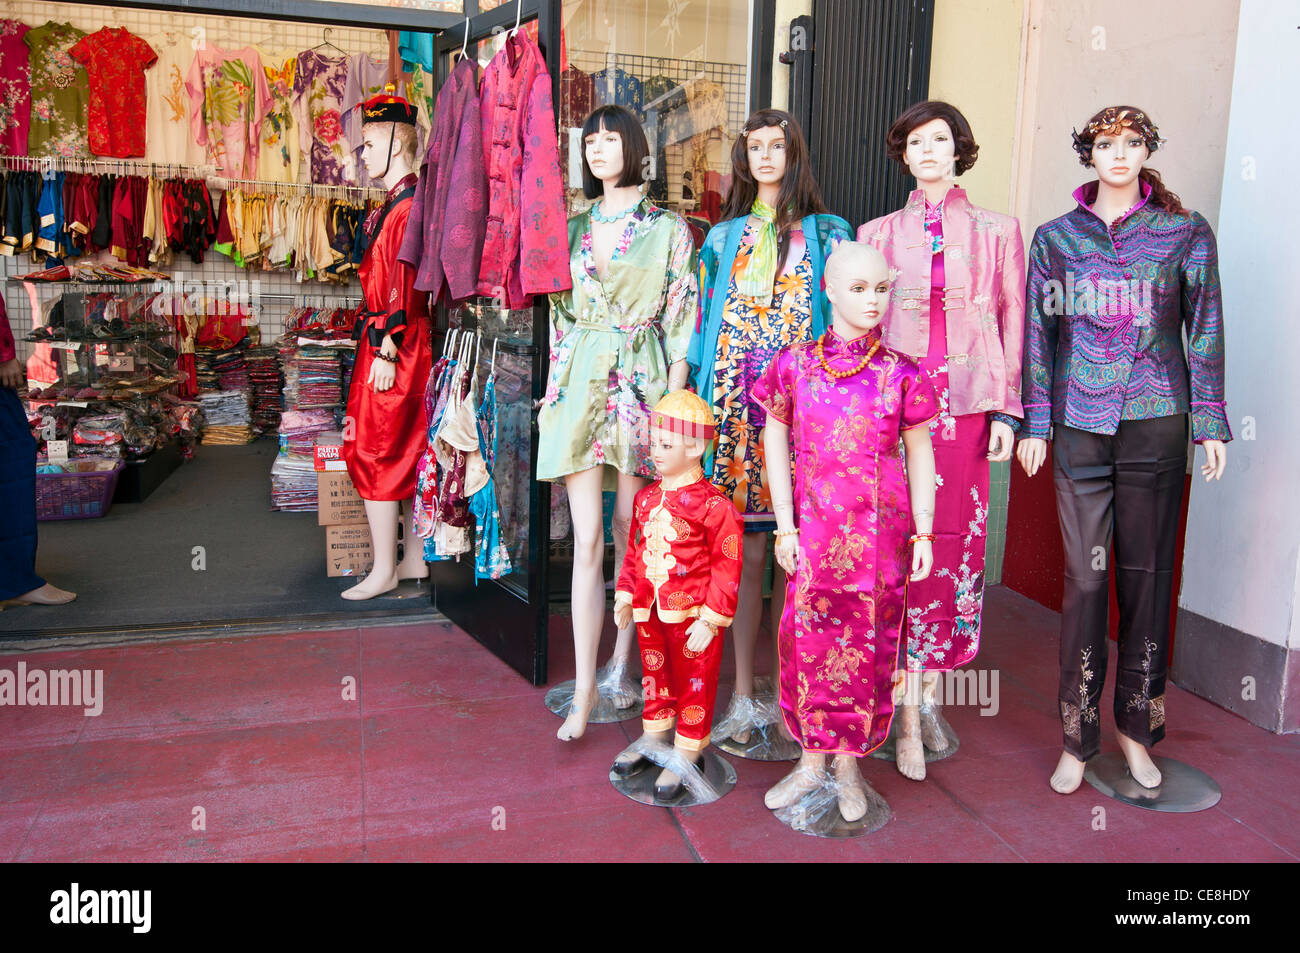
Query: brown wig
{"points": [[965, 148], [799, 196], [1112, 121], [617, 119]]}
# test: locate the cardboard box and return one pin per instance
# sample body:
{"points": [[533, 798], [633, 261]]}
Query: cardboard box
{"points": [[348, 552], [338, 503], [327, 453]]}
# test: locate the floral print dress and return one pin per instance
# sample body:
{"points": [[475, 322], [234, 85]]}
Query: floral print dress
{"points": [[318, 91], [15, 88], [612, 343], [228, 100], [60, 92]]}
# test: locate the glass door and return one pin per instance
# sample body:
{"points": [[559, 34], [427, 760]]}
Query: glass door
{"points": [[508, 615]]}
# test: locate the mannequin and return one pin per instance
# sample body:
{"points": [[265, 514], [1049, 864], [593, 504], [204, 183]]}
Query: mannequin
{"points": [[961, 269], [1107, 380], [678, 583], [618, 344], [842, 403], [387, 431], [761, 277]]}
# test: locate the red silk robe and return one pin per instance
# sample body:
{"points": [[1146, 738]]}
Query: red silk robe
{"points": [[388, 430]]}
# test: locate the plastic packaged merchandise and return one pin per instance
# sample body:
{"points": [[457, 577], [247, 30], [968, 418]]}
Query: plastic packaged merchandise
{"points": [[668, 756], [753, 722]]}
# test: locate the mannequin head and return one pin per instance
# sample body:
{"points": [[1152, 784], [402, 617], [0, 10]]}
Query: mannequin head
{"points": [[614, 151], [681, 428], [857, 286], [933, 141], [771, 149], [382, 141], [1117, 142]]}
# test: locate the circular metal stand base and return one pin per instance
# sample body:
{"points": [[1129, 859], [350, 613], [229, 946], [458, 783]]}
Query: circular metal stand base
{"points": [[820, 816], [560, 697], [931, 720], [1182, 790], [766, 743], [640, 787], [409, 589]]}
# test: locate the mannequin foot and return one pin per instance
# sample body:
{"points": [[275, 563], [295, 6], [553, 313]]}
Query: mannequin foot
{"points": [[46, 595], [1068, 774], [932, 735], [630, 763], [853, 791], [742, 735], [621, 692], [1140, 765], [806, 776], [584, 700], [909, 755], [373, 585], [668, 785]]}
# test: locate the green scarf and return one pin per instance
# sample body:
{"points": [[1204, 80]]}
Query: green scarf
{"points": [[760, 273]]}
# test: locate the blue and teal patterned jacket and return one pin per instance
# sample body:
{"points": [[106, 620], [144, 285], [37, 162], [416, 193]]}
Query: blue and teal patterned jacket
{"points": [[1105, 309]]}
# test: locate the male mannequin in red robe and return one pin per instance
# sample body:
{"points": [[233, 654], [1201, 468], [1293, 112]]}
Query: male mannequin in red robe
{"points": [[386, 431]]}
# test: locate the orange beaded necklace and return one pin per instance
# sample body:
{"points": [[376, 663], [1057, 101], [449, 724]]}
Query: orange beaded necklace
{"points": [[866, 359]]}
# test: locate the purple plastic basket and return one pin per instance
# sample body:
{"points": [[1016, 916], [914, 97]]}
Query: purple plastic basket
{"points": [[75, 496]]}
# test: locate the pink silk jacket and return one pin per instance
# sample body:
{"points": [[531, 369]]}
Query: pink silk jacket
{"points": [[984, 297]]}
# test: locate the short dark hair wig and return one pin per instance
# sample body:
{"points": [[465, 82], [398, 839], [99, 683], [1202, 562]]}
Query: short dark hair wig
{"points": [[965, 148], [621, 120]]}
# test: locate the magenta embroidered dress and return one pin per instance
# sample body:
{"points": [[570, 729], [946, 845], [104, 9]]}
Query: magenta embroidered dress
{"points": [[839, 637], [943, 611]]}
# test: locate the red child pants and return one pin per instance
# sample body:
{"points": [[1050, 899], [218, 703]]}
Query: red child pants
{"points": [[679, 686]]}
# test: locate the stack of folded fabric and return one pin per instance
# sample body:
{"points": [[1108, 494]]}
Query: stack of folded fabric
{"points": [[318, 378], [293, 484], [264, 374], [227, 418], [232, 370], [298, 430]]}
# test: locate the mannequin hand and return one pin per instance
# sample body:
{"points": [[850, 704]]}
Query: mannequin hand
{"points": [[1001, 439], [787, 552], [11, 374], [622, 614], [382, 375], [699, 635], [1031, 453], [922, 559], [1216, 458]]}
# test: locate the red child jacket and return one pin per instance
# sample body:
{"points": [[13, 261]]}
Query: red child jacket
{"points": [[683, 552]]}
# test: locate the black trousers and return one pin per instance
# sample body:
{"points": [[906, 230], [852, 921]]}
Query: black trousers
{"points": [[17, 499], [1126, 489]]}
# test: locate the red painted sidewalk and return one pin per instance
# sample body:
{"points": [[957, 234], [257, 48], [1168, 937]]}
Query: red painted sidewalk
{"points": [[443, 738]]}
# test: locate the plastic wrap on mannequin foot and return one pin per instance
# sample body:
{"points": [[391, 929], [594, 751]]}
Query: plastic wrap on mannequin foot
{"points": [[909, 752], [932, 734], [853, 796], [679, 767], [1140, 765], [615, 685], [1068, 774], [575, 725], [806, 776], [819, 811], [752, 727]]}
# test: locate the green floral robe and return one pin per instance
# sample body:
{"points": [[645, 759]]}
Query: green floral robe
{"points": [[612, 343]]}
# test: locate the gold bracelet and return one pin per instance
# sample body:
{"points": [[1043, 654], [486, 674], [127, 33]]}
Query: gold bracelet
{"points": [[781, 533]]}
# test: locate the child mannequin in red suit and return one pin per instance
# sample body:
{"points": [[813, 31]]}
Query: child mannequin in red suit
{"points": [[679, 583]]}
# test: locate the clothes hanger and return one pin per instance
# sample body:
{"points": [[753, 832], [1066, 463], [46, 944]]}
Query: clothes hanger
{"points": [[464, 43], [519, 11], [326, 42]]}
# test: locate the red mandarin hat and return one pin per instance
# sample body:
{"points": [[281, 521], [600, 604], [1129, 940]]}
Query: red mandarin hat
{"points": [[685, 413], [387, 107]]}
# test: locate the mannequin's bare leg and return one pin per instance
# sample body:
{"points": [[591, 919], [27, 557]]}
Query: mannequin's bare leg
{"points": [[1140, 765], [908, 752], [931, 735], [805, 777], [749, 614], [778, 609], [853, 792], [1068, 774], [382, 517], [628, 487], [588, 594]]}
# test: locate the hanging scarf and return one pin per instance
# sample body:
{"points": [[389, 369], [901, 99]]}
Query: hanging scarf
{"points": [[760, 272]]}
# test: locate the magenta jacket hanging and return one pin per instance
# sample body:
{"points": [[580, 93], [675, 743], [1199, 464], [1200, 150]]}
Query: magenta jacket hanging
{"points": [[984, 295], [444, 234], [526, 248]]}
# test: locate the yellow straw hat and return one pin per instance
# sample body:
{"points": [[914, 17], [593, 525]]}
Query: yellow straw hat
{"points": [[685, 413]]}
